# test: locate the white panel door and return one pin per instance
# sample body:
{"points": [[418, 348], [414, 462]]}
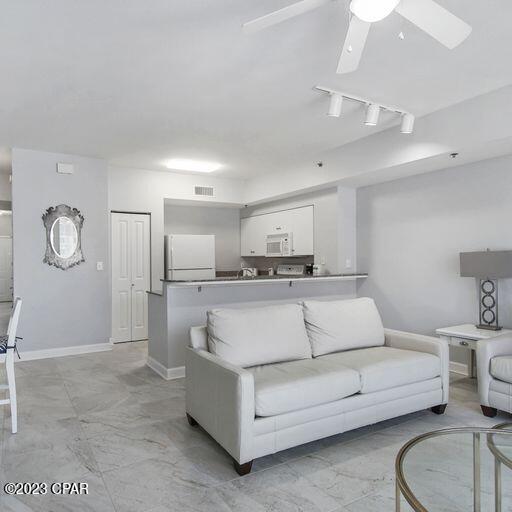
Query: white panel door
{"points": [[130, 276], [140, 238], [5, 268]]}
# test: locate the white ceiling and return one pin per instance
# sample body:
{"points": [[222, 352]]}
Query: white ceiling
{"points": [[138, 82]]}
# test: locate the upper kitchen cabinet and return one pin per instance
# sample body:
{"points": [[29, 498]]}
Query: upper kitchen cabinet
{"points": [[253, 232], [297, 221]]}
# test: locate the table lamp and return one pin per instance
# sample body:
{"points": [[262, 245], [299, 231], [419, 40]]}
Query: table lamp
{"points": [[487, 266]]}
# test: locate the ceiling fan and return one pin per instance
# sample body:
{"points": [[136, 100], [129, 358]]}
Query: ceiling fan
{"points": [[427, 15]]}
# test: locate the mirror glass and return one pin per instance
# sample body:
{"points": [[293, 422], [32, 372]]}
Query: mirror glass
{"points": [[64, 237]]}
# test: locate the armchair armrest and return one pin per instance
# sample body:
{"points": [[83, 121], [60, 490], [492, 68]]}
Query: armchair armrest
{"points": [[220, 397], [500, 345], [427, 344]]}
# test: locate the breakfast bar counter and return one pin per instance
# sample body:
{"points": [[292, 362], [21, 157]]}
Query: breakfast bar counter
{"points": [[183, 304]]}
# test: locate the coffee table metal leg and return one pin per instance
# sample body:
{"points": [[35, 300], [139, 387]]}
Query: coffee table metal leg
{"points": [[497, 485], [397, 495], [476, 472]]}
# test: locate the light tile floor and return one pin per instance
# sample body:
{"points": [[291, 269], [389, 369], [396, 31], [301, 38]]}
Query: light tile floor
{"points": [[108, 420]]}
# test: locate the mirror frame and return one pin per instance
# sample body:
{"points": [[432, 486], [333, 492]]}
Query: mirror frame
{"points": [[49, 217]]}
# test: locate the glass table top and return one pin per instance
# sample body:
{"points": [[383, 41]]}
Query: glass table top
{"points": [[460, 469]]}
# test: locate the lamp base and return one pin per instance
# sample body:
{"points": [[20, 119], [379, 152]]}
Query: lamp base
{"points": [[489, 327]]}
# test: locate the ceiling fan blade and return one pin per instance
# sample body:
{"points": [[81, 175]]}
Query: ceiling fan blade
{"points": [[435, 20], [282, 14], [353, 46]]}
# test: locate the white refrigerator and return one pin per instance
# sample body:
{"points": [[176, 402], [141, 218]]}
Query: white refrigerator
{"points": [[189, 257]]}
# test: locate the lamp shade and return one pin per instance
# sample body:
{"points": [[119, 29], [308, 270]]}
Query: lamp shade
{"points": [[486, 264]]}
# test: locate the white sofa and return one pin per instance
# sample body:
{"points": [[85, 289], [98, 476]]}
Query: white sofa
{"points": [[494, 370], [262, 380]]}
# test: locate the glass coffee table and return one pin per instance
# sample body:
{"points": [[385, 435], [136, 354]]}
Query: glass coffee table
{"points": [[456, 470]]}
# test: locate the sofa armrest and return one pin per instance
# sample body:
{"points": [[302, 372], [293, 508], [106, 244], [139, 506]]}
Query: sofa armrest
{"points": [[500, 345], [199, 337], [220, 397], [427, 344]]}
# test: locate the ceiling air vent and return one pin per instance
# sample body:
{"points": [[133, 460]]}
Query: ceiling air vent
{"points": [[203, 191]]}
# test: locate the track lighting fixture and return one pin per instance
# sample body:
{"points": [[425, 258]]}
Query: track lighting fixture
{"points": [[335, 105], [407, 125], [372, 114], [372, 109]]}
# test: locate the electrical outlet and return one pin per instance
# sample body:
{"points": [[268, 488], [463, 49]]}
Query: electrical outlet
{"points": [[348, 263], [99, 265]]}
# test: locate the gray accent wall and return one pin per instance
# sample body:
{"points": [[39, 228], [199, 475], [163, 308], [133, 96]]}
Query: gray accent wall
{"points": [[222, 222], [60, 308], [409, 236]]}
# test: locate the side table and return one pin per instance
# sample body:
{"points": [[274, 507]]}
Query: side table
{"points": [[466, 336]]}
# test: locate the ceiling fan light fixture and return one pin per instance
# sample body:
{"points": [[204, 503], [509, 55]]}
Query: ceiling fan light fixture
{"points": [[407, 125], [372, 10], [335, 105], [372, 114]]}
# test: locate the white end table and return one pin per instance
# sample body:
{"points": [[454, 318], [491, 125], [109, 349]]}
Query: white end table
{"points": [[466, 336]]}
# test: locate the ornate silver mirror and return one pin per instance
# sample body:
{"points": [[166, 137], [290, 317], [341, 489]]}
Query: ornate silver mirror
{"points": [[63, 226]]}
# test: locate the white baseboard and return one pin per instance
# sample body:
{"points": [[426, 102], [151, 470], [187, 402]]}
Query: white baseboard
{"points": [[166, 373], [459, 368], [30, 355]]}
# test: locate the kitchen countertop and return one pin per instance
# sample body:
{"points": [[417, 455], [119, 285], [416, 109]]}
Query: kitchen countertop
{"points": [[265, 279]]}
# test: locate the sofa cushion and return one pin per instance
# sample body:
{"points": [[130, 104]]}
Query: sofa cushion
{"points": [[254, 336], [334, 326], [385, 367], [501, 368], [286, 387]]}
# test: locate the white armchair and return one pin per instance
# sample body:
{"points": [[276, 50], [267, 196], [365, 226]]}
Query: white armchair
{"points": [[494, 367]]}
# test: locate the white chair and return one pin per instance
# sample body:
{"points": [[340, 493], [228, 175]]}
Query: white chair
{"points": [[494, 364], [7, 347]]}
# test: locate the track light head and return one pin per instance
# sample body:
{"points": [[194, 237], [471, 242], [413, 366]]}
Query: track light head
{"points": [[335, 105], [407, 123], [372, 114]]}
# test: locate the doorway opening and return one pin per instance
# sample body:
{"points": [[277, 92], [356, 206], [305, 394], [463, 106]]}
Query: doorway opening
{"points": [[131, 275]]}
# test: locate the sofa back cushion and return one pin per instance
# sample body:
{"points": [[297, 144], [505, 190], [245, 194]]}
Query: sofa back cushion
{"points": [[250, 337], [334, 326]]}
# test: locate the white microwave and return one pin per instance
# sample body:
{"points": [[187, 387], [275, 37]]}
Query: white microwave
{"points": [[279, 245]]}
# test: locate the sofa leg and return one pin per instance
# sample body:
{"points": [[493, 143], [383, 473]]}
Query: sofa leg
{"points": [[438, 409], [242, 469], [191, 421], [490, 412]]}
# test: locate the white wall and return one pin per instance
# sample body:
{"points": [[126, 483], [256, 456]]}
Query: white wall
{"points": [[136, 190], [224, 223], [60, 308], [410, 233]]}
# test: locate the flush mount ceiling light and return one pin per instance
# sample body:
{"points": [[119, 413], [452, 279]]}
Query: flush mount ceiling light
{"points": [[335, 105], [185, 164], [372, 10], [427, 15], [373, 109]]}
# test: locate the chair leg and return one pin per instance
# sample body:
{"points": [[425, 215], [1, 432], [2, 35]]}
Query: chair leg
{"points": [[438, 409], [9, 366], [242, 469], [490, 412]]}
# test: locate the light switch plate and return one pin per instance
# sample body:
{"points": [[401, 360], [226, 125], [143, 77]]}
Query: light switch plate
{"points": [[99, 265]]}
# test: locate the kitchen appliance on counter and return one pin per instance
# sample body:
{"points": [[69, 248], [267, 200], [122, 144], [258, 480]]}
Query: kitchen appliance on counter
{"points": [[291, 270], [279, 245], [249, 271], [189, 257]]}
